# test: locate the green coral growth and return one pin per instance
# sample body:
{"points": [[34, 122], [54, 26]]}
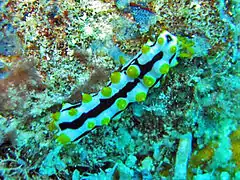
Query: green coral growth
{"points": [[186, 47]]}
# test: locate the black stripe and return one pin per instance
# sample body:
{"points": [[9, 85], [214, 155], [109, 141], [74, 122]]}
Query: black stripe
{"points": [[118, 112], [153, 44], [169, 38], [106, 103], [163, 75], [133, 61], [173, 56], [73, 106], [145, 68], [84, 134]]}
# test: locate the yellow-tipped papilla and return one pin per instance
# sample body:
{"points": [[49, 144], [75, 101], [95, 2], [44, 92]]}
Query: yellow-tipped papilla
{"points": [[173, 49], [63, 139], [73, 112], [141, 96], [148, 81], [105, 121], [106, 91], [161, 40], [164, 68], [145, 49], [122, 60], [91, 125], [86, 98], [121, 103], [133, 71], [52, 126], [115, 77], [56, 116]]}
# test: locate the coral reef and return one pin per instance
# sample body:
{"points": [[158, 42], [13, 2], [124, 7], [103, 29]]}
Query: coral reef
{"points": [[52, 51]]}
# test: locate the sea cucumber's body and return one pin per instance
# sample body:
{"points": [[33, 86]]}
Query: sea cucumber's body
{"points": [[130, 84]]}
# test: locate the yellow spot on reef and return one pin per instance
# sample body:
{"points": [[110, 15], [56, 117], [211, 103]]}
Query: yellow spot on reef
{"points": [[235, 141], [145, 49], [63, 139], [115, 77], [203, 155], [133, 71], [164, 68], [148, 81], [140, 97], [72, 111], [121, 104], [106, 91], [86, 98], [235, 135]]}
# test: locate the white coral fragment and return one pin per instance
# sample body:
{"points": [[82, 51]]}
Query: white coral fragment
{"points": [[183, 153]]}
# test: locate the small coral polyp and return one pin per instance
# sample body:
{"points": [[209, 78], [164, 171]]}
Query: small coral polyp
{"points": [[130, 84]]}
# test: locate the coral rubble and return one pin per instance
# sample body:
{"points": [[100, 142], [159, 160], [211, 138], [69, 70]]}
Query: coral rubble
{"points": [[51, 51]]}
